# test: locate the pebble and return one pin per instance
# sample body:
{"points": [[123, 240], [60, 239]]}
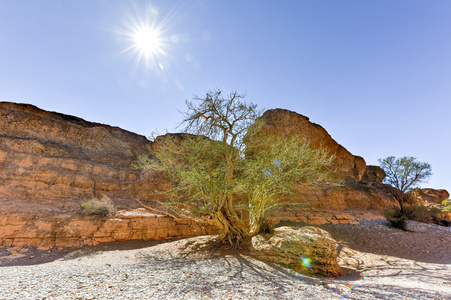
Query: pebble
{"points": [[221, 277]]}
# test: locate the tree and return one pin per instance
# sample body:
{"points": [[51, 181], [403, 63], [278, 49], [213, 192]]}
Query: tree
{"points": [[404, 174], [226, 173]]}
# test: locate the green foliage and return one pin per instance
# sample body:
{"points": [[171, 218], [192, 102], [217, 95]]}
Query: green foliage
{"points": [[275, 167], [420, 213], [396, 218], [220, 166], [199, 171], [447, 204], [405, 173], [101, 208]]}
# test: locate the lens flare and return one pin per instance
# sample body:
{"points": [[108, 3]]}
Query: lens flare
{"points": [[306, 262], [351, 287]]}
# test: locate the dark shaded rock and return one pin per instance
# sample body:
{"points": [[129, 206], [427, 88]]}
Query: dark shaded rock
{"points": [[374, 174]]}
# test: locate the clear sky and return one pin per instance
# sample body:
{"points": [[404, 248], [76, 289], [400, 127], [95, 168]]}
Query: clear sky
{"points": [[376, 74]]}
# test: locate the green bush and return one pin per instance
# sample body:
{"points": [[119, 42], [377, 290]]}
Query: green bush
{"points": [[101, 208], [419, 213], [447, 204], [396, 219]]}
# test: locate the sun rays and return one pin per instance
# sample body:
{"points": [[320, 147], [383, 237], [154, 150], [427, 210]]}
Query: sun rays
{"points": [[147, 36]]}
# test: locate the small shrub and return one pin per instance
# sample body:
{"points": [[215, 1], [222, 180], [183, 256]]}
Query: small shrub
{"points": [[396, 218], [447, 204], [101, 208], [419, 213]]}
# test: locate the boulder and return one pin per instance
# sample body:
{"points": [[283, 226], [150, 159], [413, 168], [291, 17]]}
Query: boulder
{"points": [[430, 195], [286, 123], [306, 249], [374, 174]]}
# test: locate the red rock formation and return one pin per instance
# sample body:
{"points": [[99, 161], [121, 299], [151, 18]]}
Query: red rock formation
{"points": [[285, 122], [60, 159], [49, 231], [430, 195], [50, 163]]}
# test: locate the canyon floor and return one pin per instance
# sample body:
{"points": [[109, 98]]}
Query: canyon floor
{"points": [[394, 264]]}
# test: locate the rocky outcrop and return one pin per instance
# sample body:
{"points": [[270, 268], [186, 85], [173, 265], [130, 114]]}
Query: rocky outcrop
{"points": [[374, 174], [282, 122], [51, 162], [351, 195], [306, 249], [345, 204], [46, 231], [59, 159], [429, 195]]}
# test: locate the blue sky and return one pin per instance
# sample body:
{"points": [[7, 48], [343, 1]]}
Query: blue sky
{"points": [[375, 74]]}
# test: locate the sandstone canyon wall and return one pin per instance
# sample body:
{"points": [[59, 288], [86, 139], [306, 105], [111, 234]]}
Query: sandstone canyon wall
{"points": [[283, 122], [59, 159], [360, 190], [51, 162]]}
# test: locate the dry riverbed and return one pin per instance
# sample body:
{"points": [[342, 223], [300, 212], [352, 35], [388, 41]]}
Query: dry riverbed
{"points": [[395, 265]]}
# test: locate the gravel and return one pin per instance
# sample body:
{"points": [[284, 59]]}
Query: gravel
{"points": [[229, 277], [157, 273]]}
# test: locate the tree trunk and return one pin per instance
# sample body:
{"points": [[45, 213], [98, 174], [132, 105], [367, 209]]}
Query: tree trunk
{"points": [[399, 196], [232, 230]]}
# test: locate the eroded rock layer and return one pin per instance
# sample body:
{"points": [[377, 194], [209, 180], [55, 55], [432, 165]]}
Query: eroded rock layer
{"points": [[46, 231], [283, 122], [51, 162], [56, 158]]}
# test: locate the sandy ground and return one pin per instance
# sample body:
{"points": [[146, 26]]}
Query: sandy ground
{"points": [[394, 265]]}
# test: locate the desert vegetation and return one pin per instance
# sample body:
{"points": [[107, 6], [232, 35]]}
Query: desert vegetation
{"points": [[103, 207], [404, 174], [419, 213], [226, 172], [447, 204]]}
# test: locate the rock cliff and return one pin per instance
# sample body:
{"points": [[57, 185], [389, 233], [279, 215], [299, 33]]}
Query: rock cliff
{"points": [[286, 123], [51, 162], [361, 189], [374, 174], [46, 231], [59, 159]]}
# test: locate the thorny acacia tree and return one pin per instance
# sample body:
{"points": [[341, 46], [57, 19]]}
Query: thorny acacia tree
{"points": [[404, 174], [220, 167]]}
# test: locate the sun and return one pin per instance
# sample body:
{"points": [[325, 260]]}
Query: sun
{"points": [[148, 44], [148, 41], [148, 36]]}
